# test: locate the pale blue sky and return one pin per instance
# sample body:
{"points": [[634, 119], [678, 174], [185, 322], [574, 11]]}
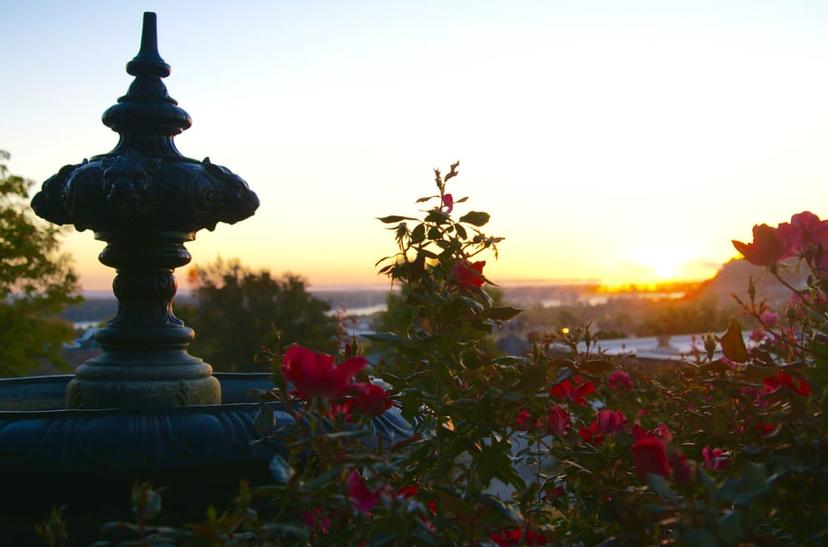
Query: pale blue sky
{"points": [[611, 140]]}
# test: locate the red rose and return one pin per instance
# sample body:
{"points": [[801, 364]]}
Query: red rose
{"points": [[773, 383], [765, 428], [611, 421], [575, 392], [448, 202], [558, 421], [524, 421], [769, 246], [409, 491], [370, 399], [620, 380], [344, 408], [516, 536], [591, 434], [682, 469], [360, 495], [649, 455], [638, 432], [317, 520], [468, 274], [315, 374]]}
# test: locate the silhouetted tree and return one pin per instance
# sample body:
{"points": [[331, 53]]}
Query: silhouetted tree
{"points": [[36, 282], [237, 312]]}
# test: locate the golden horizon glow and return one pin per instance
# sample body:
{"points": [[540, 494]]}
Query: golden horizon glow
{"points": [[609, 143]]}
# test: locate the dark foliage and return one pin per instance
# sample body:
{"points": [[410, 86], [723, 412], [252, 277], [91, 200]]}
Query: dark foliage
{"points": [[237, 311]]}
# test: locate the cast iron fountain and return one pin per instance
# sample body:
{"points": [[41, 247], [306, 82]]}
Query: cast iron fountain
{"points": [[145, 409]]}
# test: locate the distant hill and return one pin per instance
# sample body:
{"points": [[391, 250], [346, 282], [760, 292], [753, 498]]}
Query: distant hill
{"points": [[733, 278]]}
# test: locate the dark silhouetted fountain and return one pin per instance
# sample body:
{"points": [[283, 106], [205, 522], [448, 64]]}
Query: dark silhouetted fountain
{"points": [[145, 409]]}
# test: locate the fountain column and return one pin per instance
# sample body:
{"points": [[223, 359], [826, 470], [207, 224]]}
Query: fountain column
{"points": [[145, 200]]}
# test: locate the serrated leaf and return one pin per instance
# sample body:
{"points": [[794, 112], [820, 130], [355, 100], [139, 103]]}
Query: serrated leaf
{"points": [[501, 313], [471, 304], [280, 470], [507, 512], [475, 218], [733, 345], [385, 337], [393, 218]]}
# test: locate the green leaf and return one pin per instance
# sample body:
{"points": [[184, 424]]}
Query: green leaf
{"points": [[437, 216], [733, 345], [393, 218], [385, 337], [471, 304], [280, 470], [753, 482], [418, 234], [476, 218], [509, 513], [501, 313], [659, 486], [730, 527], [411, 402], [296, 530], [597, 366], [265, 419], [698, 537]]}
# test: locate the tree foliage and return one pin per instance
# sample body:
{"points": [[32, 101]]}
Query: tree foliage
{"points": [[238, 311], [36, 282]]}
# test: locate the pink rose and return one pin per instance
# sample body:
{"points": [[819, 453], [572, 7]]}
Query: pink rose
{"points": [[715, 459], [769, 318], [362, 498], [620, 380]]}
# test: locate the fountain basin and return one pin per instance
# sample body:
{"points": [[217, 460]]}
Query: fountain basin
{"points": [[88, 460]]}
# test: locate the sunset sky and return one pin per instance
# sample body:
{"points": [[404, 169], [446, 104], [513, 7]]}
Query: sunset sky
{"points": [[612, 141]]}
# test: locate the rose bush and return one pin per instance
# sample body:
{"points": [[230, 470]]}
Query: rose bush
{"points": [[581, 449]]}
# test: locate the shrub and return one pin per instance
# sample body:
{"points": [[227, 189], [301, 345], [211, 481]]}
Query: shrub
{"points": [[548, 449]]}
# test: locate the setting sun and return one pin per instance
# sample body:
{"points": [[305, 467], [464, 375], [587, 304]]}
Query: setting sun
{"points": [[659, 263]]}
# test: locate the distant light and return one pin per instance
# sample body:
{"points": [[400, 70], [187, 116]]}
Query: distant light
{"points": [[565, 330]]}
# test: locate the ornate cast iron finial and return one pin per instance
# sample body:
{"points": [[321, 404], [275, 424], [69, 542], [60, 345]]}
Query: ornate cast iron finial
{"points": [[145, 200]]}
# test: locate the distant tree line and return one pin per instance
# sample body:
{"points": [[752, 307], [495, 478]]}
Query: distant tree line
{"points": [[237, 312], [622, 317], [36, 282]]}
